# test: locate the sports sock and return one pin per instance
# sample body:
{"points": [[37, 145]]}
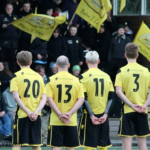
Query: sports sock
{"points": [[16, 148]]}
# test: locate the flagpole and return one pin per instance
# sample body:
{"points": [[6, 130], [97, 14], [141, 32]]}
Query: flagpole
{"points": [[70, 21]]}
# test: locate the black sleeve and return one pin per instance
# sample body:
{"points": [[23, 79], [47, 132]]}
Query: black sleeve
{"points": [[110, 50], [87, 105], [80, 52], [33, 47], [110, 102], [65, 47]]}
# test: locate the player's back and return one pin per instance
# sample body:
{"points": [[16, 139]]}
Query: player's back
{"points": [[66, 89], [97, 86], [30, 86], [135, 80]]}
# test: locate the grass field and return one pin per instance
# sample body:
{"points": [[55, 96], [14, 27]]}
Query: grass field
{"points": [[115, 148]]}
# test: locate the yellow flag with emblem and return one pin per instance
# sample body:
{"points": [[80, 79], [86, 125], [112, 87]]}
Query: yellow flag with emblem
{"points": [[92, 11], [143, 40], [41, 26], [122, 5]]}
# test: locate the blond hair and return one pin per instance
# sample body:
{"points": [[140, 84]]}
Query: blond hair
{"points": [[24, 58], [92, 57]]}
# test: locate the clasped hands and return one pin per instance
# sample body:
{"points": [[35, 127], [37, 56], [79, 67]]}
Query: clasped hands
{"points": [[139, 109], [33, 116], [65, 117], [98, 121]]}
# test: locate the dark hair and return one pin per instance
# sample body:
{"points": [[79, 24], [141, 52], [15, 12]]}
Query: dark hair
{"points": [[38, 68], [72, 26], [9, 4], [131, 50], [57, 29], [6, 70]]}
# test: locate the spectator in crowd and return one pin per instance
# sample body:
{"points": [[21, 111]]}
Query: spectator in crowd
{"points": [[76, 70], [5, 124], [128, 31], [88, 35], [71, 6], [47, 4], [53, 68], [75, 49], [49, 11], [116, 52], [57, 46], [38, 48], [9, 36], [102, 46], [5, 77], [41, 71], [25, 38]]}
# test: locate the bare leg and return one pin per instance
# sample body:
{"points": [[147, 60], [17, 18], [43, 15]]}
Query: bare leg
{"points": [[142, 143], [56, 148], [16, 148], [127, 143]]}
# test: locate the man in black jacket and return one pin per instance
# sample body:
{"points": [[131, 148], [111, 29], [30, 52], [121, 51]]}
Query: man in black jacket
{"points": [[38, 48], [8, 37], [116, 56], [24, 41], [75, 49]]}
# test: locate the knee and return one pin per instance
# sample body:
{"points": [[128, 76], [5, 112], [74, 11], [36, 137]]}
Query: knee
{"points": [[142, 146], [126, 146]]}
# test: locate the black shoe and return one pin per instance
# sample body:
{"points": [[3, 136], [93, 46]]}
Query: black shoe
{"points": [[8, 137]]}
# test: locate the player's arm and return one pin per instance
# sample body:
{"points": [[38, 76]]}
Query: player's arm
{"points": [[20, 103], [41, 104], [144, 107], [122, 96], [53, 106], [109, 103]]}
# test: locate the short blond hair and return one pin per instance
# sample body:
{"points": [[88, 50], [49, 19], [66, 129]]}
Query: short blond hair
{"points": [[62, 62], [92, 57], [24, 58]]}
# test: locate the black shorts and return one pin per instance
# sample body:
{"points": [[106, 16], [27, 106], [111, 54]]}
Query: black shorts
{"points": [[27, 132], [93, 136], [63, 136], [134, 124]]}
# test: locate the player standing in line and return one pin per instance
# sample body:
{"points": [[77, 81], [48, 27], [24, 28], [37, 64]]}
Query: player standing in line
{"points": [[99, 93], [133, 80], [29, 92], [65, 96]]}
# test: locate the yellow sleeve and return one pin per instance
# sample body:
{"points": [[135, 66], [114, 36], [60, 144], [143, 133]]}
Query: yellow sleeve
{"points": [[111, 87], [49, 89], [14, 84], [118, 81], [43, 88], [80, 91], [149, 81]]}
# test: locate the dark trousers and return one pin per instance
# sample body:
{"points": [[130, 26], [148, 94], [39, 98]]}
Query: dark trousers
{"points": [[8, 55], [113, 67]]}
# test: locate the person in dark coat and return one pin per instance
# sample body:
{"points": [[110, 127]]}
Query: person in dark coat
{"points": [[88, 35], [57, 46], [102, 46], [38, 48], [75, 49], [71, 6], [116, 52], [9, 36], [128, 31], [25, 38]]}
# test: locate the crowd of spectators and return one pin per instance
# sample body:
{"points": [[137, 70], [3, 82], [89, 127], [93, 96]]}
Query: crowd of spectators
{"points": [[72, 39]]}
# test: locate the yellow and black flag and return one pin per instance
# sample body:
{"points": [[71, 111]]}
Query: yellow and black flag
{"points": [[94, 11], [143, 40]]}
